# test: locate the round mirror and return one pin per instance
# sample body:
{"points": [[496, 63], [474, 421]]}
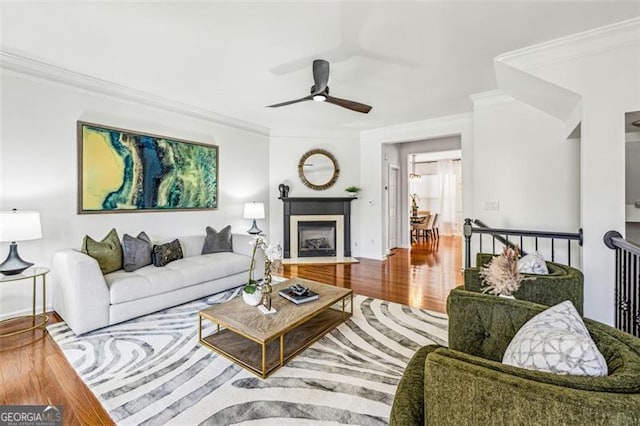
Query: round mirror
{"points": [[318, 169]]}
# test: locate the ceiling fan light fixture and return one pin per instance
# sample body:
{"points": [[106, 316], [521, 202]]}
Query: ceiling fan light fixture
{"points": [[319, 92]]}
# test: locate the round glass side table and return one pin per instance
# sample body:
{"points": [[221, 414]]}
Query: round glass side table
{"points": [[38, 320]]}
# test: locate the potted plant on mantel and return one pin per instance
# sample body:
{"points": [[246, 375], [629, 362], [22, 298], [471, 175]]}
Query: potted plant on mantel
{"points": [[353, 190]]}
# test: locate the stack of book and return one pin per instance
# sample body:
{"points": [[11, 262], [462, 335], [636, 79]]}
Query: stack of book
{"points": [[298, 294]]}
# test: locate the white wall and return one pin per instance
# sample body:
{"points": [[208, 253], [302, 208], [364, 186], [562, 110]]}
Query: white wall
{"points": [[38, 163], [285, 151], [603, 67], [523, 162]]}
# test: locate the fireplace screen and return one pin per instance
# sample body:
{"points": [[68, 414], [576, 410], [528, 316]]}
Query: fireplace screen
{"points": [[316, 239]]}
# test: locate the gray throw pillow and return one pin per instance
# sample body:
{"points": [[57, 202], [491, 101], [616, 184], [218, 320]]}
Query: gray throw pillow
{"points": [[165, 253], [216, 242], [136, 251]]}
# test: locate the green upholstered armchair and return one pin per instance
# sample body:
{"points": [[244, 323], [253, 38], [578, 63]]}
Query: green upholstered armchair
{"points": [[562, 283], [466, 384]]}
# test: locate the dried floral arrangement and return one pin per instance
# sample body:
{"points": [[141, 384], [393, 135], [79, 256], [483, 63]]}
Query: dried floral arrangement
{"points": [[501, 274]]}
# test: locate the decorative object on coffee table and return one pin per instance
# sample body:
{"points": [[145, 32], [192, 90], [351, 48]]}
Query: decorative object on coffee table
{"points": [[18, 226], [299, 294], [262, 291], [258, 242], [272, 257], [252, 299]]}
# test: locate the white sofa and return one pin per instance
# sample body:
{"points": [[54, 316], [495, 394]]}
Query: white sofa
{"points": [[88, 300]]}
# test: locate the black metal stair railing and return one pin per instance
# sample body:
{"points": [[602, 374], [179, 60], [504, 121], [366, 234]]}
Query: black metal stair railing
{"points": [[627, 291], [502, 236]]}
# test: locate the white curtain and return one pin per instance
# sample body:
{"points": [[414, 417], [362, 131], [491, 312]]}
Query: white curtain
{"points": [[450, 209]]}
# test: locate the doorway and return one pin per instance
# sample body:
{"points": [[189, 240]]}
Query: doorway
{"points": [[435, 188]]}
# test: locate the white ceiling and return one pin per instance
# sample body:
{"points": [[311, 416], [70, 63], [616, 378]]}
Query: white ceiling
{"points": [[409, 60]]}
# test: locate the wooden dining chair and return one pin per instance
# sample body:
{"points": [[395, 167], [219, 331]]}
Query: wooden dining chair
{"points": [[424, 227], [435, 229]]}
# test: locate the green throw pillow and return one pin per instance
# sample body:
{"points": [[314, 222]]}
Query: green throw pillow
{"points": [[107, 252], [165, 253], [216, 242]]}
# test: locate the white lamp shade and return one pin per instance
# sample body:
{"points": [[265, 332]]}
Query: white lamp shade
{"points": [[253, 211], [20, 226]]}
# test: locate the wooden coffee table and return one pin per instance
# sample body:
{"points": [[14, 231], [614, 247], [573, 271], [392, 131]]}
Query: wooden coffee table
{"points": [[263, 343]]}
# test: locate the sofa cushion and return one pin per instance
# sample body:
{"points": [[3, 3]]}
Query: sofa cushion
{"points": [[191, 245], [216, 242], [108, 252], [557, 341], [136, 251], [151, 280], [165, 253]]}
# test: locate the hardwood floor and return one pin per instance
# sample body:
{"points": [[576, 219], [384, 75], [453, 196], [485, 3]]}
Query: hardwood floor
{"points": [[33, 370], [420, 277]]}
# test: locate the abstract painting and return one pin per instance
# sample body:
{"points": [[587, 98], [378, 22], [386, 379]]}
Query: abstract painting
{"points": [[124, 171]]}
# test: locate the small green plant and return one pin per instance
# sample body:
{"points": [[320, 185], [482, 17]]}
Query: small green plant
{"points": [[353, 189], [250, 287]]}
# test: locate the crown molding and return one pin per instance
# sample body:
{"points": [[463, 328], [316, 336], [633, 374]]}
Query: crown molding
{"points": [[574, 46], [450, 125], [22, 64], [490, 99]]}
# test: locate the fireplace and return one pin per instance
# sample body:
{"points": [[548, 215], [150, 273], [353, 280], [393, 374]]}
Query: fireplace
{"points": [[317, 227], [317, 238]]}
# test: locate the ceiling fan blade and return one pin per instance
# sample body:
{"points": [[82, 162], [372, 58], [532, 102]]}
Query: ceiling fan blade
{"points": [[344, 103], [295, 101], [320, 75]]}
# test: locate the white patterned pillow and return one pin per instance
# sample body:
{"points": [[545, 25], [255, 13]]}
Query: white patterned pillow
{"points": [[533, 263], [557, 341]]}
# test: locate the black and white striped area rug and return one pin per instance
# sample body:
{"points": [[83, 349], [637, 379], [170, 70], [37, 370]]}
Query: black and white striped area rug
{"points": [[152, 370]]}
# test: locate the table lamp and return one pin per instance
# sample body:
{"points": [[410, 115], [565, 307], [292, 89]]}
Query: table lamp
{"points": [[18, 226], [253, 211]]}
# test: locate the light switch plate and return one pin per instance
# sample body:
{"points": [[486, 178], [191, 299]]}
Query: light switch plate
{"points": [[492, 206]]}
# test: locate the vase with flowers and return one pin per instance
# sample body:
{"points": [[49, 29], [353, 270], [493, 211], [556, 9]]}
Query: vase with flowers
{"points": [[253, 292], [272, 257], [414, 205]]}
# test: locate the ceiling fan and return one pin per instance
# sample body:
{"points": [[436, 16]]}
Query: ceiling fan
{"points": [[320, 91]]}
